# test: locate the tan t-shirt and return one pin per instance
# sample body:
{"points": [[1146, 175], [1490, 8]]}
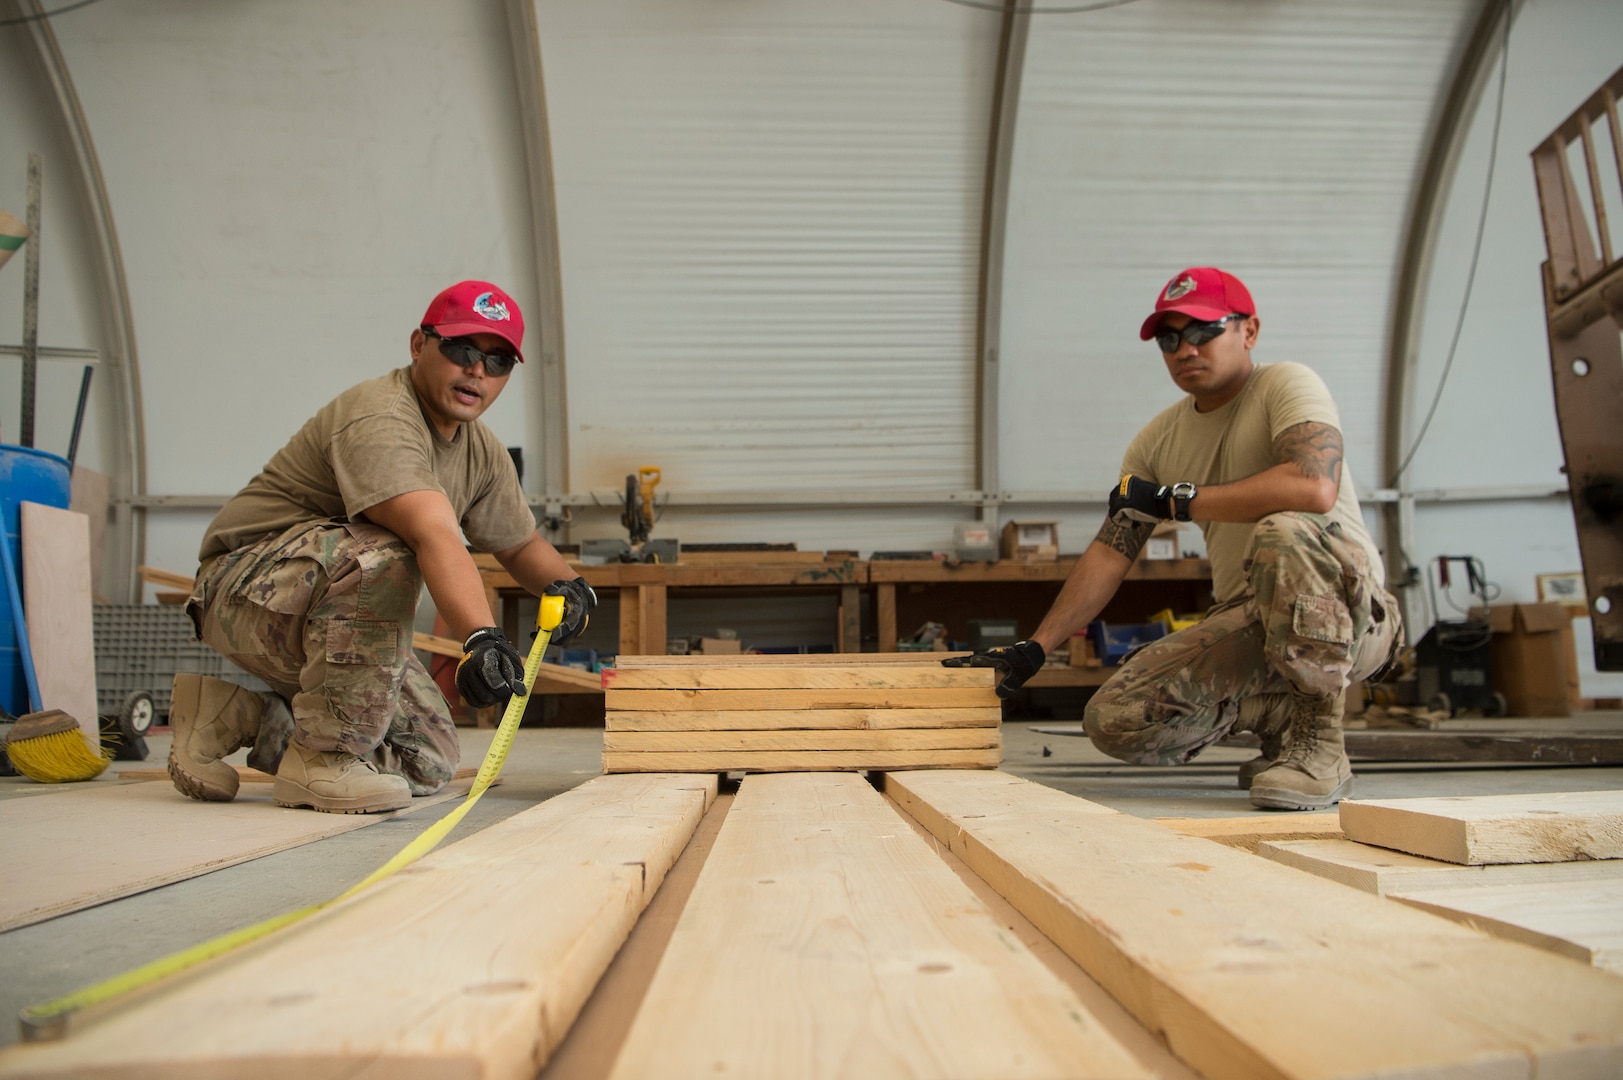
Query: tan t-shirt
{"points": [[1236, 441], [371, 443]]}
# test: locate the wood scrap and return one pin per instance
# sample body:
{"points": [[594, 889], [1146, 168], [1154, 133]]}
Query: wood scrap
{"points": [[55, 548], [737, 714], [1248, 831], [1251, 969], [824, 938], [1477, 829], [128, 838], [1383, 871], [1580, 919], [474, 963]]}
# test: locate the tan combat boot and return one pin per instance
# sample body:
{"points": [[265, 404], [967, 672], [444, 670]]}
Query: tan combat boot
{"points": [[1314, 772], [336, 781], [210, 718], [1268, 715]]}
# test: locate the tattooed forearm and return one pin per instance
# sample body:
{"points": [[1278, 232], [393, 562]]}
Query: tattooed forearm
{"points": [[1312, 447], [1125, 537]]}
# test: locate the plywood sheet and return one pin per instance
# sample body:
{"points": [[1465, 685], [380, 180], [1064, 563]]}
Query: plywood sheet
{"points": [[824, 938], [473, 962], [128, 838], [1382, 871], [1251, 969], [1580, 919], [57, 598], [1477, 829]]}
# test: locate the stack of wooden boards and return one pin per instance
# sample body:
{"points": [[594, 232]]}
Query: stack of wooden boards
{"points": [[827, 934], [823, 712], [1545, 869]]}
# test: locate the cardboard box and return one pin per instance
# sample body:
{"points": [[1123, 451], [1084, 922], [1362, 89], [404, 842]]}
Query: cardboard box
{"points": [[1031, 541], [711, 646], [1534, 661], [1163, 542]]}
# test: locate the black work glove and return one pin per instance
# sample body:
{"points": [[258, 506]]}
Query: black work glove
{"points": [[579, 603], [491, 670], [1139, 500], [1017, 662]]}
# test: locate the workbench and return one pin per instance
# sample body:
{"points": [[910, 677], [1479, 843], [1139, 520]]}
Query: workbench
{"points": [[930, 591]]}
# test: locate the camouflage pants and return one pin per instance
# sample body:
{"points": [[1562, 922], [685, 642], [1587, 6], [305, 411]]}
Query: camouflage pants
{"points": [[1312, 619], [324, 614]]}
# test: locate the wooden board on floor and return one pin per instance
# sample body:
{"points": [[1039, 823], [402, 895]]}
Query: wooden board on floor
{"points": [[803, 677], [249, 775], [472, 963], [798, 760], [824, 938], [803, 719], [1580, 919], [56, 595], [1474, 829], [1252, 969], [757, 700], [128, 838], [1383, 871], [1248, 831], [752, 741], [1534, 747], [748, 660]]}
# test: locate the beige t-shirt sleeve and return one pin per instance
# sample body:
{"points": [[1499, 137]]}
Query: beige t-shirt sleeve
{"points": [[378, 457], [1294, 394], [500, 517]]}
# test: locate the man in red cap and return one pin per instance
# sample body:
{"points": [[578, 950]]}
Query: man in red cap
{"points": [[1253, 454], [311, 574]]}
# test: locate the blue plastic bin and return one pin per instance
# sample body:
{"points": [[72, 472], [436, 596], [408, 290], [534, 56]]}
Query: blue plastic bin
{"points": [[26, 475], [1113, 641]]}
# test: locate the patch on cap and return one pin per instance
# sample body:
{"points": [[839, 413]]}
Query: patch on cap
{"points": [[1179, 289], [486, 307]]}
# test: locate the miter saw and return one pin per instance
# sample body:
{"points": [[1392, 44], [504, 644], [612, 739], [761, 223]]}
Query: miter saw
{"points": [[637, 516]]}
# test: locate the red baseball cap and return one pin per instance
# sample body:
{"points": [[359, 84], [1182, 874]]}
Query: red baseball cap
{"points": [[476, 307], [1200, 292]]}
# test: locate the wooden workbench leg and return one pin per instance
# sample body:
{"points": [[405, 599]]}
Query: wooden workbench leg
{"points": [[631, 619], [651, 619], [885, 615], [848, 636]]}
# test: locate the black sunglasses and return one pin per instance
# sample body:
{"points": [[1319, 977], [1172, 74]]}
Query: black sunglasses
{"points": [[1196, 332], [461, 352]]}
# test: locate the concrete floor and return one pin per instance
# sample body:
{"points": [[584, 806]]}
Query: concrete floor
{"points": [[55, 957]]}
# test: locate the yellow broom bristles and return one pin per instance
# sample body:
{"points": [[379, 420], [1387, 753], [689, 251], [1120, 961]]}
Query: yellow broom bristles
{"points": [[49, 747]]}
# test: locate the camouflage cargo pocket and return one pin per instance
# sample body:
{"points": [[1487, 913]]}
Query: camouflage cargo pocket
{"points": [[1322, 618], [362, 673]]}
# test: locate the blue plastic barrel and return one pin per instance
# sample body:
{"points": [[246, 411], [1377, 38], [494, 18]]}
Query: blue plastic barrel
{"points": [[26, 475]]}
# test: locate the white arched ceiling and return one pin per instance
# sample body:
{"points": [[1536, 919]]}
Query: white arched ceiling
{"points": [[1278, 140], [769, 223]]}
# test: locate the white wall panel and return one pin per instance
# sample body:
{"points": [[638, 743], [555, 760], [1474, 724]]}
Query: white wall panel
{"points": [[1279, 141], [769, 217]]}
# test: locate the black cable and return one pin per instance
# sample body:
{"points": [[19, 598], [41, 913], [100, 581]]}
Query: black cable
{"points": [[1476, 249], [1076, 9], [19, 20]]}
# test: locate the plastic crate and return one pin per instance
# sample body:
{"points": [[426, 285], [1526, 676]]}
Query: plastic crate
{"points": [[1112, 642], [144, 646]]}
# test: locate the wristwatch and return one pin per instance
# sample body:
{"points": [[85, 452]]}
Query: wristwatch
{"points": [[1181, 496]]}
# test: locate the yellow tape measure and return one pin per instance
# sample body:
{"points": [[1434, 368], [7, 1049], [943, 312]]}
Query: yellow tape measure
{"points": [[49, 1020]]}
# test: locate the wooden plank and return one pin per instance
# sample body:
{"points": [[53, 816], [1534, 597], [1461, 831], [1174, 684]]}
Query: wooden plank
{"points": [[753, 741], [1250, 969], [1579, 919], [1474, 829], [845, 572], [849, 637], [749, 660], [1248, 831], [1382, 871], [90, 492], [800, 760], [247, 774], [1531, 747], [473, 963], [804, 719], [179, 838], [757, 700], [152, 575], [804, 677], [56, 596], [825, 939], [548, 673]]}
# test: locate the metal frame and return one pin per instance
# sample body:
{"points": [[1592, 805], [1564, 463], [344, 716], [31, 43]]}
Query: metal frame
{"points": [[1583, 308], [127, 537]]}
